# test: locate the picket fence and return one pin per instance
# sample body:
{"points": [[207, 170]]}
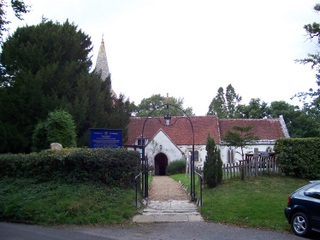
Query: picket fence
{"points": [[253, 165]]}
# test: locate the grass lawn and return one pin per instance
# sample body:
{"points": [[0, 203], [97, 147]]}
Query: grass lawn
{"points": [[61, 203], [256, 201]]}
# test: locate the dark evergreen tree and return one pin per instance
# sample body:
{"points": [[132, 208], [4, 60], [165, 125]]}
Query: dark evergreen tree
{"points": [[212, 170], [46, 67]]}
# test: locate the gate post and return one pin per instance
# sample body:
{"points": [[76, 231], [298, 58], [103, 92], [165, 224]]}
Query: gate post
{"points": [[144, 174]]}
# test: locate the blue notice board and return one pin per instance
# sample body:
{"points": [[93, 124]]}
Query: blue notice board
{"points": [[105, 138]]}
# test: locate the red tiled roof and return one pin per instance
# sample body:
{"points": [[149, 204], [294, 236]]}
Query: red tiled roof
{"points": [[180, 130], [264, 129]]}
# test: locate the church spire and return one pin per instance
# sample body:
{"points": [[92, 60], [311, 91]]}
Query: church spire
{"points": [[102, 66]]}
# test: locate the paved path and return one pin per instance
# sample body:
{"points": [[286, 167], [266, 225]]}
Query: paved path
{"points": [[161, 231], [168, 202]]}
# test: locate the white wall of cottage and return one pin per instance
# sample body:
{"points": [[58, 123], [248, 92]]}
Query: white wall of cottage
{"points": [[162, 144], [262, 147]]}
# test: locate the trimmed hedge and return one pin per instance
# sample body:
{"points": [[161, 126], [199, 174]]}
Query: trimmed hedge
{"points": [[109, 166], [178, 166], [299, 157]]}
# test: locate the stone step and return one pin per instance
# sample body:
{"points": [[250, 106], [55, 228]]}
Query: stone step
{"points": [[167, 218], [177, 211], [169, 211]]}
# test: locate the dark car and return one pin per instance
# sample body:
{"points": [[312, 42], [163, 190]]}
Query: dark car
{"points": [[303, 209]]}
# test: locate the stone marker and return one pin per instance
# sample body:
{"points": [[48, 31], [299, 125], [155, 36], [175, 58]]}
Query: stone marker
{"points": [[55, 146]]}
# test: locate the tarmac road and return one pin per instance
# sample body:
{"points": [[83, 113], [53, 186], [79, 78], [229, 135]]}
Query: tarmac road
{"points": [[154, 231]]}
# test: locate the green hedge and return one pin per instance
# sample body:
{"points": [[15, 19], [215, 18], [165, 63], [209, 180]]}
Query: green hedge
{"points": [[299, 157], [109, 166], [178, 166]]}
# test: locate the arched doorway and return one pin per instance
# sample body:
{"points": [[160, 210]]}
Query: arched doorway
{"points": [[160, 164]]}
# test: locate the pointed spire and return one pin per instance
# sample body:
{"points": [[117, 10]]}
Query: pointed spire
{"points": [[102, 66]]}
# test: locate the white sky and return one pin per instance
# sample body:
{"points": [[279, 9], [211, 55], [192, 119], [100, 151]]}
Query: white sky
{"points": [[190, 48]]}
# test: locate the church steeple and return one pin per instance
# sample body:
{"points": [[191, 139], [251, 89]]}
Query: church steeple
{"points": [[102, 66]]}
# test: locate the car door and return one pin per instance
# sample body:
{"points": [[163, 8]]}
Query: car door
{"points": [[314, 205]]}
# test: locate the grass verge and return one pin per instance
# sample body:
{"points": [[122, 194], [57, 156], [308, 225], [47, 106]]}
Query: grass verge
{"points": [[256, 201], [25, 200]]}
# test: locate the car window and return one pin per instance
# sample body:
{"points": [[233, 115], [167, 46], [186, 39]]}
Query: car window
{"points": [[313, 191]]}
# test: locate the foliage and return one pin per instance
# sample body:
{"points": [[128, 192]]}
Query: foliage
{"points": [[58, 128], [39, 137], [57, 202], [239, 137], [303, 122], [224, 104], [255, 109], [246, 203], [313, 107], [47, 67], [156, 104], [299, 157], [108, 166], [18, 8], [212, 170], [300, 123], [178, 166]]}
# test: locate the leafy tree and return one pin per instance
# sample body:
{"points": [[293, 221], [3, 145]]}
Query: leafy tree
{"points": [[240, 137], [46, 67], [224, 104], [154, 103], [212, 170], [256, 109], [58, 127], [312, 107], [19, 9], [300, 123]]}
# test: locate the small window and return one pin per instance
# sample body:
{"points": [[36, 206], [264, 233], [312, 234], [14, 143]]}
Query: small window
{"points": [[230, 154], [141, 142], [196, 155]]}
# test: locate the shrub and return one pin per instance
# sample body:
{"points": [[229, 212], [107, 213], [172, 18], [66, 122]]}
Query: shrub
{"points": [[109, 166], [59, 127], [178, 166], [299, 157]]}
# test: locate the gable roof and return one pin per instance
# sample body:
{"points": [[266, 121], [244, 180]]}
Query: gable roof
{"points": [[167, 140], [180, 131], [264, 129]]}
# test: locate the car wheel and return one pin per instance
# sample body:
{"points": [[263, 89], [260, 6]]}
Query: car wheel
{"points": [[300, 224]]}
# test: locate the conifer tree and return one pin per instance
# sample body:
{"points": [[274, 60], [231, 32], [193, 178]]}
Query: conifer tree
{"points": [[212, 171]]}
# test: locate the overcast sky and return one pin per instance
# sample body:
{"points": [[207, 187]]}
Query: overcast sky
{"points": [[190, 48]]}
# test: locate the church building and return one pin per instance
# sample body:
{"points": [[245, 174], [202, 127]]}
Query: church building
{"points": [[166, 143]]}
